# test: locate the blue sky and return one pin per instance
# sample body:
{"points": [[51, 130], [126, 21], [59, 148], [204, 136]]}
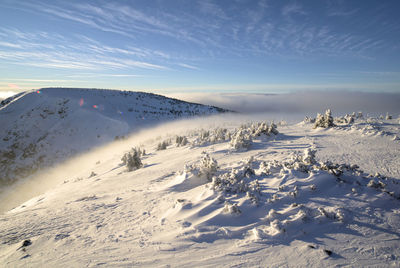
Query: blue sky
{"points": [[165, 46]]}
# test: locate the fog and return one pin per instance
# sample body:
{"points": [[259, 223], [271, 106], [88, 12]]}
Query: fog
{"points": [[304, 103], [82, 165]]}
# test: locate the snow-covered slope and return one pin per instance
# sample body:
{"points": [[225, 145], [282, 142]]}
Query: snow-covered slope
{"points": [[39, 128], [231, 196]]}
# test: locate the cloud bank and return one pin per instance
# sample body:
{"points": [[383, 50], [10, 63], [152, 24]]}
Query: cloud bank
{"points": [[303, 103]]}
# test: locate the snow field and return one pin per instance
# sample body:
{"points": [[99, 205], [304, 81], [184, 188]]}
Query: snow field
{"points": [[295, 198]]}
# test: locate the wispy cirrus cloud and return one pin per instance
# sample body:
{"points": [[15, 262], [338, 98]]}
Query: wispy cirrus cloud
{"points": [[188, 66], [212, 8], [99, 75], [29, 80], [44, 50], [293, 8], [220, 29], [163, 36]]}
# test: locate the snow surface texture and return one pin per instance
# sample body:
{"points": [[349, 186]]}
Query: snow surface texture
{"points": [[40, 128], [303, 196]]}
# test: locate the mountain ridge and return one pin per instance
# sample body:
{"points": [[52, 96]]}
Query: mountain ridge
{"points": [[45, 126]]}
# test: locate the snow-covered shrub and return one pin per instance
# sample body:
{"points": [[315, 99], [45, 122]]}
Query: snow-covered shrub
{"points": [[309, 156], [241, 180], [241, 140], [230, 182], [324, 121], [221, 134], [162, 145], [208, 166], [211, 136], [206, 169], [388, 116], [309, 120], [261, 128], [231, 208], [181, 140], [204, 134], [273, 129], [347, 119], [132, 159]]}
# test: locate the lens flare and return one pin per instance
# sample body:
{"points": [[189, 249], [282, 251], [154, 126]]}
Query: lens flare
{"points": [[13, 86]]}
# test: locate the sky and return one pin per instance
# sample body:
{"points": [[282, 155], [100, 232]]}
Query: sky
{"points": [[246, 46]]}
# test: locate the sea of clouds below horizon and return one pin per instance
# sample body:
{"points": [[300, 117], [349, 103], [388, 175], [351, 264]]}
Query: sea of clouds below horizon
{"points": [[304, 103]]}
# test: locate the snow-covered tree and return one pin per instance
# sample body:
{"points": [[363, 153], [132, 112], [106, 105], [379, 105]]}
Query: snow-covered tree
{"points": [[309, 156], [208, 166], [132, 159], [241, 140], [273, 129], [325, 120], [181, 140], [162, 145]]}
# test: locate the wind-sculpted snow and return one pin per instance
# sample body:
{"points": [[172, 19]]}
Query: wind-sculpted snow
{"points": [[280, 200], [47, 126], [371, 126], [296, 196]]}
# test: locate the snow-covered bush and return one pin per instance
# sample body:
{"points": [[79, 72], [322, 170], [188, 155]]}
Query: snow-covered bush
{"points": [[206, 168], [239, 180], [230, 182], [220, 135], [389, 116], [345, 120], [211, 136], [132, 159], [230, 208], [204, 134], [273, 129], [309, 156], [263, 128], [181, 140], [309, 120], [241, 140], [324, 121], [162, 145]]}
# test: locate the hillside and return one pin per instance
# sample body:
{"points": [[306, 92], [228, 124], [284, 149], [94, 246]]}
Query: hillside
{"points": [[222, 192], [46, 126]]}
